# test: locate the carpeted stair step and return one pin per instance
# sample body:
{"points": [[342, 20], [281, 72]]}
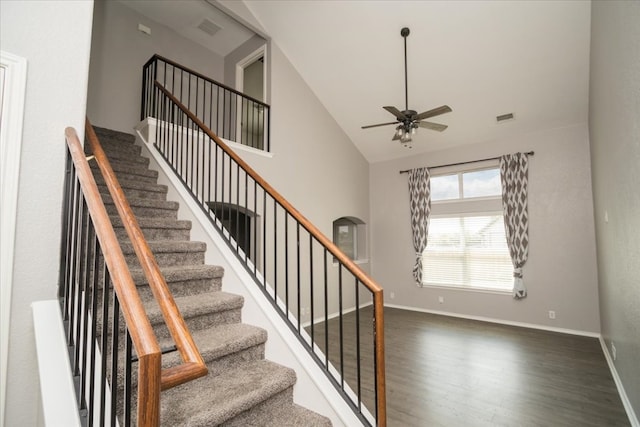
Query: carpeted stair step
{"points": [[141, 174], [104, 134], [279, 411], [119, 149], [168, 253], [121, 166], [148, 208], [155, 228], [183, 280], [223, 347], [200, 311], [137, 190], [214, 400]]}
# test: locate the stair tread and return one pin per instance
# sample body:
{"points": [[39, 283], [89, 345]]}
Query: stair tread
{"points": [[150, 222], [109, 134], [199, 305], [219, 341], [168, 246], [144, 203], [212, 400], [291, 416], [181, 273], [132, 184]]}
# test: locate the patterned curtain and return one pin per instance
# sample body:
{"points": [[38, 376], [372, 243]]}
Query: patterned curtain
{"points": [[514, 170], [420, 199]]}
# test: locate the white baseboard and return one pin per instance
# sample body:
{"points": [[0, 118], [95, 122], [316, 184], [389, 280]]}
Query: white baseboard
{"points": [[500, 321], [616, 378]]}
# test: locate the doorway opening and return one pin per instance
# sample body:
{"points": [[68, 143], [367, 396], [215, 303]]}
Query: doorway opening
{"points": [[250, 80]]}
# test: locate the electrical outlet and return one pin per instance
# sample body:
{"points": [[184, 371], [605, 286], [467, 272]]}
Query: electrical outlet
{"points": [[613, 351], [392, 295], [552, 314], [440, 300]]}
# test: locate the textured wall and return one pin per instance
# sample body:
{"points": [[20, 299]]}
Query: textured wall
{"points": [[560, 274], [614, 125], [54, 37], [118, 52]]}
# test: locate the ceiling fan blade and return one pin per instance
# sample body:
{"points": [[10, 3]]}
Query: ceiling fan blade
{"points": [[379, 124], [395, 112], [434, 112], [433, 126], [395, 137]]}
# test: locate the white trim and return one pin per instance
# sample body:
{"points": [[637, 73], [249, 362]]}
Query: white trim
{"points": [[499, 321], [240, 66], [616, 378], [57, 393], [247, 60], [12, 95]]}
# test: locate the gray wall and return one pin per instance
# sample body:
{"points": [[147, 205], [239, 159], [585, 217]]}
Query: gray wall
{"points": [[55, 38], [560, 274], [614, 124], [118, 53]]}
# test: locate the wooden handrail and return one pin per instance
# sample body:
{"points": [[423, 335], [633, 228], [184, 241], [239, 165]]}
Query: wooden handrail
{"points": [[140, 330], [308, 225], [193, 365], [352, 267]]}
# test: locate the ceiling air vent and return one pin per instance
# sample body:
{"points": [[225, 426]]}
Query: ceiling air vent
{"points": [[505, 117], [209, 27]]}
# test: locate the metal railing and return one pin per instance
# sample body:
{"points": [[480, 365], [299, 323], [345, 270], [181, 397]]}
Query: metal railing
{"points": [[232, 115], [104, 320], [331, 305]]}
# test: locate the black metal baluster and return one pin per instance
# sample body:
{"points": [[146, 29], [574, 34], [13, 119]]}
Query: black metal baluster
{"points": [[115, 332], [103, 348], [298, 284], [358, 344], [311, 299], [127, 379], [94, 325], [341, 325], [286, 263], [326, 312]]}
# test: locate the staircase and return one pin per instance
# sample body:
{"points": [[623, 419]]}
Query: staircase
{"points": [[242, 388]]}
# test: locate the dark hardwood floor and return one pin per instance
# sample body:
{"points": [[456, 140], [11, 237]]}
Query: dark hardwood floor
{"points": [[444, 371]]}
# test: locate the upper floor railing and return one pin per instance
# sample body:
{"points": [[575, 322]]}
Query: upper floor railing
{"points": [[332, 306], [231, 114]]}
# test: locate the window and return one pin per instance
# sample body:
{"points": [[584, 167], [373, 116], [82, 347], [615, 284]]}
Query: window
{"points": [[349, 235], [466, 247]]}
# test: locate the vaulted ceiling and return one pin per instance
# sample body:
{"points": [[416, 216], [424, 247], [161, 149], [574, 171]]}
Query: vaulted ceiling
{"points": [[482, 58]]}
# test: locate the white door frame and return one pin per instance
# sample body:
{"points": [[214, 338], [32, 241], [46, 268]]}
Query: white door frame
{"points": [[13, 82], [240, 66]]}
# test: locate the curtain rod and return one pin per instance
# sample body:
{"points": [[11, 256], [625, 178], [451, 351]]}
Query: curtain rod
{"points": [[529, 153]]}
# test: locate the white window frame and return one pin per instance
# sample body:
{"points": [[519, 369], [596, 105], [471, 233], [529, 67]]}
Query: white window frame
{"points": [[465, 207]]}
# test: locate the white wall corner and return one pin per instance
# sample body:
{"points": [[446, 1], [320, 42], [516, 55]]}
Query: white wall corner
{"points": [[57, 394], [13, 83]]}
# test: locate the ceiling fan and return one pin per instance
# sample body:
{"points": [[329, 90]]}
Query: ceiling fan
{"points": [[408, 121]]}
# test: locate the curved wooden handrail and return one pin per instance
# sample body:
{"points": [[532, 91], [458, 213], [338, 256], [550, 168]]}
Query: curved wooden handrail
{"points": [[359, 274], [140, 330], [193, 365]]}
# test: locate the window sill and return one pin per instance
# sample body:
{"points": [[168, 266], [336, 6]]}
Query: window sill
{"points": [[468, 289]]}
